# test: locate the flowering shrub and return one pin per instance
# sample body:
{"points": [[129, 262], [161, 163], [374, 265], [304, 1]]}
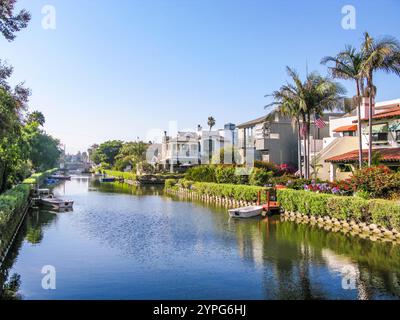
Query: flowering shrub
{"points": [[267, 166], [286, 169], [344, 187], [378, 181]]}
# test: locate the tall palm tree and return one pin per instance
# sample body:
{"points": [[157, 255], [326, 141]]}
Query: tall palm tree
{"points": [[379, 55], [211, 122], [347, 65], [312, 96], [288, 105], [322, 95]]}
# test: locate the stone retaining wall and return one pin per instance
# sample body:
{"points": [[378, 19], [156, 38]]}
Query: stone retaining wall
{"points": [[372, 232], [229, 203]]}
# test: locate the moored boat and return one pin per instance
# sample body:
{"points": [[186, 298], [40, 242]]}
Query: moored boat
{"points": [[55, 203], [60, 177], [107, 179], [246, 212]]}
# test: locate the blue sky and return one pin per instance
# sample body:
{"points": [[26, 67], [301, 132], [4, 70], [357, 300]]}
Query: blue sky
{"points": [[117, 69]]}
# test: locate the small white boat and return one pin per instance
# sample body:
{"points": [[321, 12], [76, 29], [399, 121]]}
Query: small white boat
{"points": [[246, 212], [56, 203]]}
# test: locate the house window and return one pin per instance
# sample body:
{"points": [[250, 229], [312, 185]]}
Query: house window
{"points": [[380, 137], [345, 167], [398, 135], [380, 133], [249, 137], [349, 133]]}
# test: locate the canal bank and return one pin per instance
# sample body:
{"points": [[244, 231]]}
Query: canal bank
{"points": [[376, 220], [14, 204], [124, 242]]}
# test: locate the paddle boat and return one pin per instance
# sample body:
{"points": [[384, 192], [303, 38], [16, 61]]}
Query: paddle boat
{"points": [[271, 205]]}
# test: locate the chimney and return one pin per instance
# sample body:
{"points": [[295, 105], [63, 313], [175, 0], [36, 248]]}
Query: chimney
{"points": [[365, 107]]}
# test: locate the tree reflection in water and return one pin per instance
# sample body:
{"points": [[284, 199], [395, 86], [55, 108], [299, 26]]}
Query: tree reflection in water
{"points": [[31, 231], [291, 249]]}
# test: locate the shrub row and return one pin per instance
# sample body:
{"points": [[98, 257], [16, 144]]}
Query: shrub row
{"points": [[238, 192], [229, 174], [381, 212], [121, 174], [12, 200], [38, 178]]}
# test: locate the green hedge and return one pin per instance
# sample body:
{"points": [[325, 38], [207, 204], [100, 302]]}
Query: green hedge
{"points": [[381, 212], [11, 200], [38, 178], [238, 192], [120, 174]]}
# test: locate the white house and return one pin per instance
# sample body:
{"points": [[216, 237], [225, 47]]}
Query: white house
{"points": [[340, 153], [191, 148]]}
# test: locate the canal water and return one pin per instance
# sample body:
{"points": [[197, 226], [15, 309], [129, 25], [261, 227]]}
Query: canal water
{"points": [[124, 242]]}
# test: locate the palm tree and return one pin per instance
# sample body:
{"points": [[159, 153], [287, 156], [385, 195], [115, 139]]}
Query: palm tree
{"points": [[288, 105], [312, 96], [348, 65], [322, 95], [382, 54], [211, 122]]}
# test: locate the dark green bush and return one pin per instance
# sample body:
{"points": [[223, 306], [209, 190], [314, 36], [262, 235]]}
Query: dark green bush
{"points": [[267, 166], [201, 173], [260, 177], [170, 183], [282, 180], [225, 174], [298, 184]]}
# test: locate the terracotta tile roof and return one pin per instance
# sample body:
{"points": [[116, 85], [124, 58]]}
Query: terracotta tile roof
{"points": [[395, 112], [352, 127], [388, 155]]}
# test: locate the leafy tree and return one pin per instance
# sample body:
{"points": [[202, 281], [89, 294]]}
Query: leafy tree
{"points": [[23, 146], [36, 116], [11, 23], [44, 150], [13, 148], [107, 152], [92, 151], [130, 154]]}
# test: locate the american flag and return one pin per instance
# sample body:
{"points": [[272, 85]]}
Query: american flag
{"points": [[319, 122]]}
